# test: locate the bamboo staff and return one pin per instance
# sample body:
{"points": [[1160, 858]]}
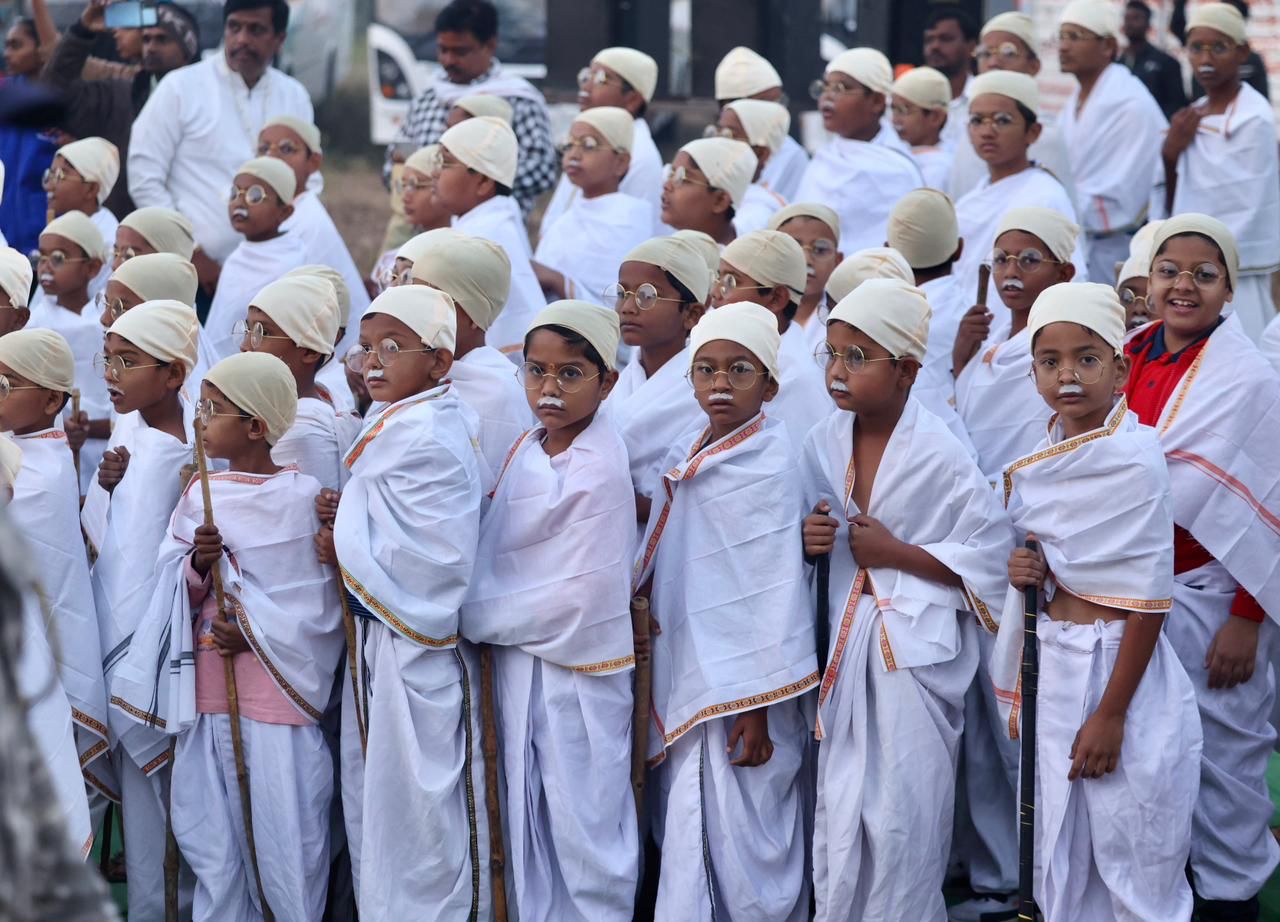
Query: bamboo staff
{"points": [[1027, 811], [489, 746], [984, 279], [233, 701], [75, 414], [640, 626], [349, 627]]}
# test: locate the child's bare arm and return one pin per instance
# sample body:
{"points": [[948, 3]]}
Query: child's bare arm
{"points": [[1096, 749]]}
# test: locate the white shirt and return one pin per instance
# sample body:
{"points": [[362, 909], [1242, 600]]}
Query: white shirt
{"points": [[200, 124]]}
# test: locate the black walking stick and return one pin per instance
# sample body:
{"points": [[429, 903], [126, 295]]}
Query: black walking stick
{"points": [[1027, 811]]}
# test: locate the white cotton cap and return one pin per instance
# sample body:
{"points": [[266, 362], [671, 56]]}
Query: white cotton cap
{"points": [[681, 258], [742, 73], [479, 105], [41, 356], [307, 132], [1017, 24], [428, 312], [866, 65], [77, 227], [871, 263], [159, 277], [597, 325], [163, 228], [1093, 306], [275, 173], [334, 278], [772, 258], [1215, 230], [616, 126], [635, 67], [924, 87], [10, 462], [474, 272], [486, 145], [1221, 17], [923, 228], [765, 123], [15, 276], [260, 385], [807, 210], [1057, 231], [1138, 265], [1100, 17], [728, 165], [892, 312], [426, 160], [97, 160], [746, 323], [705, 245], [305, 307], [168, 331], [1018, 87], [413, 248]]}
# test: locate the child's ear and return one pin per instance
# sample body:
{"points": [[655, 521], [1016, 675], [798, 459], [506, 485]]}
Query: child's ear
{"points": [[54, 403], [692, 314], [175, 375], [621, 165], [907, 371], [257, 430], [311, 357], [721, 202], [286, 213], [315, 162], [770, 389], [94, 266], [607, 383], [442, 361]]}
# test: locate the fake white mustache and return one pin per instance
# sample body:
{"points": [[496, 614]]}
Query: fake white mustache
{"points": [[114, 390], [46, 278], [550, 403], [1206, 69], [240, 213], [1071, 390], [719, 397], [839, 387], [374, 374], [1012, 285]]}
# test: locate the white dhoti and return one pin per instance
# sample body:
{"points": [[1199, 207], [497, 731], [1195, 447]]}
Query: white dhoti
{"points": [[290, 786], [144, 825]]}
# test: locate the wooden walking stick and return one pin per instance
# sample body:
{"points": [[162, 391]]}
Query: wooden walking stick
{"points": [[640, 627], [75, 412], [984, 279], [1027, 811], [349, 627], [489, 746], [233, 701]]}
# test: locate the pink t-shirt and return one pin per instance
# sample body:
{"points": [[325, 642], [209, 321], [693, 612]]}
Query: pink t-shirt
{"points": [[259, 697]]}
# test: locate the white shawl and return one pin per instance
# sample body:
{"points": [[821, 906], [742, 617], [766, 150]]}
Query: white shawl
{"points": [[643, 181], [499, 220], [248, 270], [485, 380], [590, 239], [317, 440], [758, 206]]}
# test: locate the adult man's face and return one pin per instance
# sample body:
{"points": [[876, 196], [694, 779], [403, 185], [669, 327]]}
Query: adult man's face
{"points": [[251, 42], [1136, 24], [463, 56], [946, 49], [161, 53]]}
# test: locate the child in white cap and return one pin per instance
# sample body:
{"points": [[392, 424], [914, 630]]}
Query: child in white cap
{"points": [[15, 290], [706, 184], [917, 542], [921, 98], [551, 594], [415, 183], [152, 230], [261, 201], [744, 74], [579, 251], [862, 170], [817, 229], [81, 178], [478, 105], [1117, 735], [477, 168], [762, 126], [145, 362], [735, 654], [408, 519]]}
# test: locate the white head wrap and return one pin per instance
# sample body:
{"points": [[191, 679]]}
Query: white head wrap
{"points": [[598, 325], [893, 313], [616, 126], [1053, 227], [77, 227], [772, 258], [746, 323], [307, 132], [924, 87], [97, 160], [807, 210], [1100, 17], [1018, 87], [428, 312], [426, 160], [1095, 307], [15, 276], [10, 463], [260, 385], [866, 65], [305, 307], [923, 228], [1221, 17], [478, 105], [164, 229], [159, 277], [635, 67], [765, 123], [1016, 24], [705, 246], [1138, 265], [41, 356], [486, 145], [474, 272], [871, 263], [728, 165], [415, 246], [1202, 224], [742, 73], [275, 173], [679, 257], [168, 331], [334, 278]]}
